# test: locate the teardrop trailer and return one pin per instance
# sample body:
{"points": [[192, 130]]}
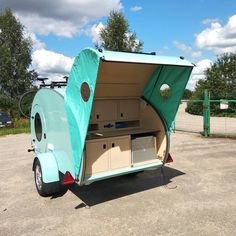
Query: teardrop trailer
{"points": [[111, 118]]}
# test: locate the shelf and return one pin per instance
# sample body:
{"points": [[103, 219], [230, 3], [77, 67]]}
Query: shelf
{"points": [[120, 132], [127, 124]]}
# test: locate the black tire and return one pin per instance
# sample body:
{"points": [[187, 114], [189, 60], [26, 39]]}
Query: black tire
{"points": [[44, 189]]}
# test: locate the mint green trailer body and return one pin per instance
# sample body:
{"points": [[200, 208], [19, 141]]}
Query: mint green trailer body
{"points": [[61, 116]]}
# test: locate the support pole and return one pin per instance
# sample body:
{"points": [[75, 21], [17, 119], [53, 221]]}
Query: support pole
{"points": [[206, 114]]}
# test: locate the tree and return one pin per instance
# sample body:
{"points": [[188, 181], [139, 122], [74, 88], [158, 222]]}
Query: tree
{"points": [[221, 83], [187, 94], [116, 35], [15, 59]]}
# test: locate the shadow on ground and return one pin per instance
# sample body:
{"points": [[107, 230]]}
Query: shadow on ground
{"points": [[106, 190]]}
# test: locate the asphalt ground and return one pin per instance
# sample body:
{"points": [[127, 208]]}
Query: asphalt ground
{"points": [[196, 196]]}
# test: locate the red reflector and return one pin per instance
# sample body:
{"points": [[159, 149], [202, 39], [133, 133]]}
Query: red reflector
{"points": [[169, 159], [68, 179]]}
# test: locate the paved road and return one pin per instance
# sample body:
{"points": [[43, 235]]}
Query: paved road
{"points": [[204, 171], [219, 125]]}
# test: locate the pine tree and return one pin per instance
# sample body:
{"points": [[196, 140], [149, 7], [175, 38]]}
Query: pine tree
{"points": [[116, 35], [15, 59]]}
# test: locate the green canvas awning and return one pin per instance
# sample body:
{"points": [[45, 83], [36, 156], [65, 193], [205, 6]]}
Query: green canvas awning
{"points": [[176, 78]]}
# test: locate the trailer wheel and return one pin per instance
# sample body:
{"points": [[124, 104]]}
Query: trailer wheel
{"points": [[44, 189]]}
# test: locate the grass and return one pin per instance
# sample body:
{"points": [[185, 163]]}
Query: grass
{"points": [[18, 127]]}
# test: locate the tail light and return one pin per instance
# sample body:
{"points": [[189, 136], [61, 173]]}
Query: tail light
{"points": [[169, 159], [68, 178]]}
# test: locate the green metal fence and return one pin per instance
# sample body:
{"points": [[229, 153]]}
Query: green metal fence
{"points": [[207, 124]]}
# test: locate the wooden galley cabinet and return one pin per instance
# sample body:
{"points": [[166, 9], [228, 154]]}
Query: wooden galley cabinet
{"points": [[129, 109], [113, 110], [107, 154]]}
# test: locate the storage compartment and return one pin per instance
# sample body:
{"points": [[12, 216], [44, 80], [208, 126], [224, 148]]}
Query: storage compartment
{"points": [[105, 110], [115, 114], [97, 157], [120, 153], [127, 124], [107, 126], [129, 109], [107, 154], [92, 127], [125, 133], [143, 150], [112, 110]]}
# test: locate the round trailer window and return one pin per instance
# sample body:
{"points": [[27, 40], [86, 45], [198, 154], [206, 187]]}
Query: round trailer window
{"points": [[165, 91], [85, 91], [38, 127]]}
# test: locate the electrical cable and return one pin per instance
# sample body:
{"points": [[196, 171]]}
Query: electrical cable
{"points": [[164, 180], [20, 102]]}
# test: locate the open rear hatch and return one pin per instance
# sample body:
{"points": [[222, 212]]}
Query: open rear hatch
{"points": [[158, 82]]}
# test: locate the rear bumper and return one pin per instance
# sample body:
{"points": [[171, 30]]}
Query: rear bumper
{"points": [[110, 174]]}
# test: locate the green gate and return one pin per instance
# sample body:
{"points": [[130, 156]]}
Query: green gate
{"points": [[206, 127]]}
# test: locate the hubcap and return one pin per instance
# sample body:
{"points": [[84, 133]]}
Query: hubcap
{"points": [[38, 177]]}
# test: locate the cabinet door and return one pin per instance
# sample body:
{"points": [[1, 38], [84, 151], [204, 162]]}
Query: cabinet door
{"points": [[97, 157], [105, 110], [144, 150], [120, 152], [129, 109], [92, 116]]}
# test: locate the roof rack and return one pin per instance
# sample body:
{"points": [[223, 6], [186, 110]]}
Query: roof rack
{"points": [[42, 79], [53, 84], [145, 53]]}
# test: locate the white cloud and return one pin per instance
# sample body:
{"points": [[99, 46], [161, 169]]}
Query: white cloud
{"points": [[209, 21], [94, 32], [187, 49], [196, 54], [198, 72], [62, 17], [36, 43], [50, 64], [44, 26], [136, 8], [218, 38]]}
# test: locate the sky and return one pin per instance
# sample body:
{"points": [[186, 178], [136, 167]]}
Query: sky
{"points": [[199, 30]]}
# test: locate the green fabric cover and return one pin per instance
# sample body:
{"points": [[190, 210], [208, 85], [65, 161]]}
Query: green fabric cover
{"points": [[84, 69], [174, 76]]}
